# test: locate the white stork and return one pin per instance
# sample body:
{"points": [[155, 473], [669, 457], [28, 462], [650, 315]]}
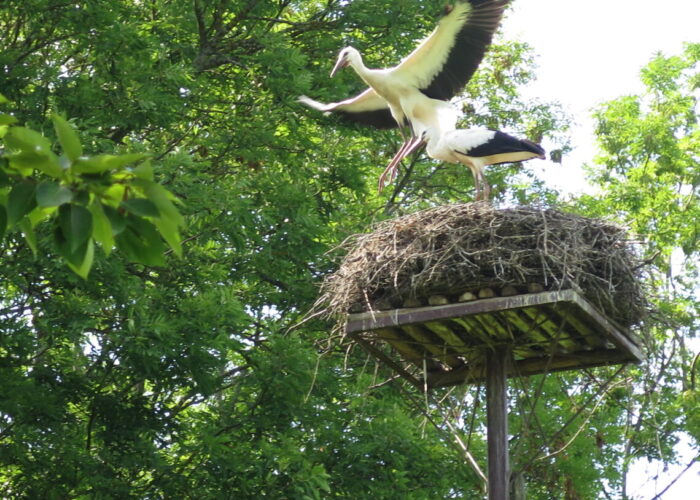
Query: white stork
{"points": [[435, 71], [476, 148]]}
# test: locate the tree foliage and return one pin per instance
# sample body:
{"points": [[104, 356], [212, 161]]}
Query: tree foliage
{"points": [[110, 199], [648, 171], [171, 371]]}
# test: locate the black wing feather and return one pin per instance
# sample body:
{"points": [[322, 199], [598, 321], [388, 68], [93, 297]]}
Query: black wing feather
{"points": [[503, 143], [380, 118], [468, 51]]}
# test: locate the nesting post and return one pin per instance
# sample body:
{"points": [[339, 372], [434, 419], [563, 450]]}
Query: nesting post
{"points": [[468, 293], [489, 340], [497, 422]]}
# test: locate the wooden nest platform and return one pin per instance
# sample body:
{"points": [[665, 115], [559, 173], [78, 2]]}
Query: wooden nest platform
{"points": [[448, 344], [432, 293]]}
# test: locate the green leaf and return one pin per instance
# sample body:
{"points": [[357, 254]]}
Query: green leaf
{"points": [[101, 227], [31, 150], [29, 234], [6, 119], [3, 221], [47, 163], [162, 198], [76, 224], [3, 99], [142, 207], [141, 242], [102, 163], [116, 219], [52, 194], [25, 139], [83, 269], [79, 259], [67, 137], [170, 233], [20, 202], [93, 165], [144, 171]]}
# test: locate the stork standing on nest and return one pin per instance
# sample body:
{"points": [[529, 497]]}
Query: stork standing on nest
{"points": [[476, 148], [434, 72]]}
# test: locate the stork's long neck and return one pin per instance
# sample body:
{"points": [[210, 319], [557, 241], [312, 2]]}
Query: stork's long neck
{"points": [[368, 75]]}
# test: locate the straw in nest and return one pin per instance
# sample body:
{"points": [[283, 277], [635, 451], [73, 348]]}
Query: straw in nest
{"points": [[456, 248]]}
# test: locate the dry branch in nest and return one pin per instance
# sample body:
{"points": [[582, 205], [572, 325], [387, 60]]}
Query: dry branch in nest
{"points": [[457, 248]]}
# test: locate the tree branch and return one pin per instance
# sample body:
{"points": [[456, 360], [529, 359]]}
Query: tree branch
{"points": [[687, 467]]}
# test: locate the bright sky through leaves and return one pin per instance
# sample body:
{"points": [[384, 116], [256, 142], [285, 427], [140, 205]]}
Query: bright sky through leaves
{"points": [[588, 53]]}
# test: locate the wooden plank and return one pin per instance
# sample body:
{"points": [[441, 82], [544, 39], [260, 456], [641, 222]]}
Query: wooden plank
{"points": [[539, 333], [497, 422], [570, 313], [473, 330], [524, 326], [378, 354], [581, 359], [508, 333], [533, 366], [496, 330], [539, 317], [433, 345], [443, 331], [373, 320], [409, 352], [556, 332], [522, 343], [559, 316], [530, 328], [627, 342]]}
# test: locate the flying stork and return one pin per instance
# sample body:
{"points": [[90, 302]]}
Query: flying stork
{"points": [[476, 148], [434, 72]]}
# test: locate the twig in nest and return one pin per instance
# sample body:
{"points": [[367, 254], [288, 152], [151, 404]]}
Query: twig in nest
{"points": [[463, 247]]}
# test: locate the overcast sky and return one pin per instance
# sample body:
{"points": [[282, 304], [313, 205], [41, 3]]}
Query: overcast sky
{"points": [[590, 52]]}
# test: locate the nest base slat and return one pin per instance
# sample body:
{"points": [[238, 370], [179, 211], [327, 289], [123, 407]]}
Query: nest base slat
{"points": [[448, 344]]}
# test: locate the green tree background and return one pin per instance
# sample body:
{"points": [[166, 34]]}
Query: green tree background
{"points": [[171, 370]]}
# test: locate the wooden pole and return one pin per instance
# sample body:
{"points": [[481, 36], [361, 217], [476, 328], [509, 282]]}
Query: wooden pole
{"points": [[497, 422]]}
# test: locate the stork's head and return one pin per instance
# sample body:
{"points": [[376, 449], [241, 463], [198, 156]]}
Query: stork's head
{"points": [[346, 57]]}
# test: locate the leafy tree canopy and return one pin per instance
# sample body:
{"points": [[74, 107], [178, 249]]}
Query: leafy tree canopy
{"points": [[167, 134]]}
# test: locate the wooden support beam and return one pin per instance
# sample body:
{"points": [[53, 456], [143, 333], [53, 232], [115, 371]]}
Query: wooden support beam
{"points": [[629, 344], [526, 367], [367, 346], [395, 317], [497, 422], [434, 346]]}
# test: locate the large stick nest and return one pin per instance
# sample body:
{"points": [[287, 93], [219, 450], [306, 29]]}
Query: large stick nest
{"points": [[467, 247]]}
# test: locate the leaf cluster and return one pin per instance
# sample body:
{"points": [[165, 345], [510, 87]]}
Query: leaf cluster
{"points": [[107, 199]]}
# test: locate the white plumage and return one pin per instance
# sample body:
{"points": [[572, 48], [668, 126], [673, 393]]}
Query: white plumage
{"points": [[435, 71], [476, 148]]}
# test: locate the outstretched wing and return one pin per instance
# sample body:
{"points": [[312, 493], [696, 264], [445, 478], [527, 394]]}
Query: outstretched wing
{"points": [[366, 108], [447, 59]]}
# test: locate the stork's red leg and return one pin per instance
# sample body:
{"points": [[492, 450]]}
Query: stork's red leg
{"points": [[405, 150], [486, 189], [416, 142], [394, 161], [483, 190]]}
